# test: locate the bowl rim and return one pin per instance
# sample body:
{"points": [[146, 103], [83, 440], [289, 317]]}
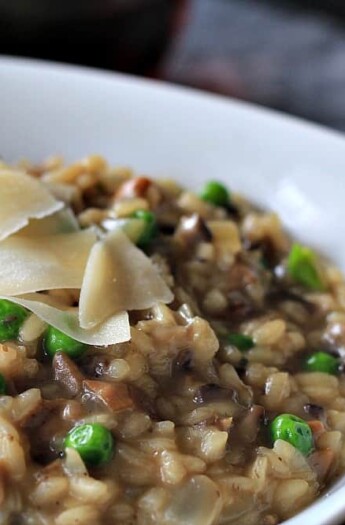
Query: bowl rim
{"points": [[318, 512], [15, 62]]}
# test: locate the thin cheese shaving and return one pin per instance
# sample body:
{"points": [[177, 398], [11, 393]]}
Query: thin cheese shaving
{"points": [[63, 192], [63, 221], [22, 198], [114, 330], [44, 262], [118, 276]]}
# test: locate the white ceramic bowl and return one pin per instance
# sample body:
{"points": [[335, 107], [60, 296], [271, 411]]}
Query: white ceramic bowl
{"points": [[295, 168]]}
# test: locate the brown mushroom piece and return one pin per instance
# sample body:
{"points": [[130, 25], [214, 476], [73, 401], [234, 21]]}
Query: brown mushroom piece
{"points": [[67, 373], [222, 402], [314, 411], [47, 429], [211, 392], [95, 365], [132, 188], [115, 396], [249, 426], [192, 230], [287, 295], [240, 307]]}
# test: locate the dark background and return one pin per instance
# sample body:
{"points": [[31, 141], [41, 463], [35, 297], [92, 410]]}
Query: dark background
{"points": [[285, 54], [281, 54]]}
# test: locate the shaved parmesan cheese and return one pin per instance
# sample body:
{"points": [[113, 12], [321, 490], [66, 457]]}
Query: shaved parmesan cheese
{"points": [[22, 198], [118, 276], [63, 192], [44, 262], [114, 330], [63, 221]]}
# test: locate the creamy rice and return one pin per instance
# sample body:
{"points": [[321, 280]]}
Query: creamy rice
{"points": [[189, 410]]}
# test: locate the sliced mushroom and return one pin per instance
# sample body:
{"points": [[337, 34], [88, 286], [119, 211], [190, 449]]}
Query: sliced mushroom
{"points": [[115, 396], [136, 187], [315, 411], [249, 427], [183, 361], [287, 295], [67, 373], [240, 307], [47, 429], [212, 392], [192, 230]]}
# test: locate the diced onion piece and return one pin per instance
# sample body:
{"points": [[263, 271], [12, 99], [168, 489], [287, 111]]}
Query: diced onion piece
{"points": [[197, 502], [63, 221], [72, 464], [114, 330], [22, 198], [118, 276], [44, 263]]}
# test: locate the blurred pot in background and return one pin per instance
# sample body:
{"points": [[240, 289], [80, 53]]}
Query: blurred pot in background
{"points": [[127, 35]]}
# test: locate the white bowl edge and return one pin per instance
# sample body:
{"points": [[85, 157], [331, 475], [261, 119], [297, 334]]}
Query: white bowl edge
{"points": [[293, 167]]}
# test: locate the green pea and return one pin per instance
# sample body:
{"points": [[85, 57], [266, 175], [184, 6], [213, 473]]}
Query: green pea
{"points": [[215, 193], [93, 442], [302, 266], [322, 362], [3, 387], [294, 430], [241, 341], [56, 341], [12, 317], [150, 227]]}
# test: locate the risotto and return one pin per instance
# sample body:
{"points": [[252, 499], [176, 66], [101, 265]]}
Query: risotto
{"points": [[166, 357]]}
